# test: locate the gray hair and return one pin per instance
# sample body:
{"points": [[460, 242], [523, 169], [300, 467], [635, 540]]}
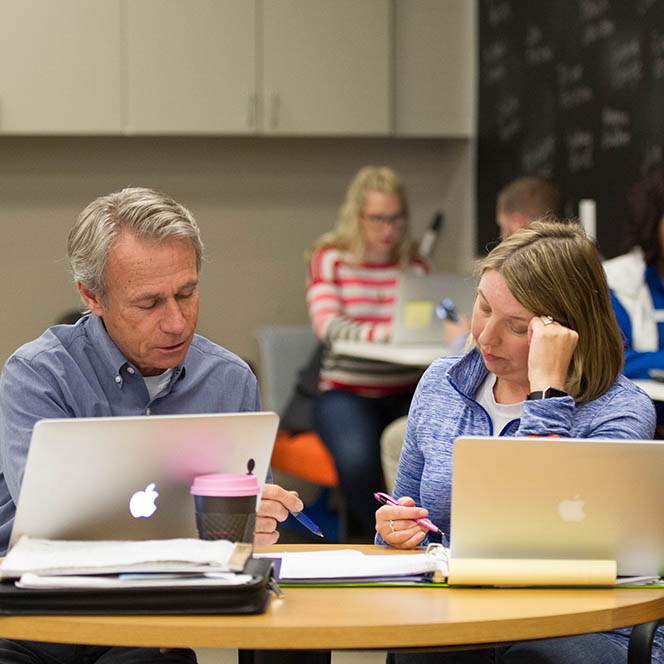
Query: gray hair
{"points": [[147, 213]]}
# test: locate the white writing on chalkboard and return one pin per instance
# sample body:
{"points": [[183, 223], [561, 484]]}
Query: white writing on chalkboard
{"points": [[493, 57], [616, 130], [508, 118], [536, 49], [579, 150], [626, 64], [573, 92], [501, 11], [602, 29], [592, 9], [538, 157], [572, 88], [575, 96]]}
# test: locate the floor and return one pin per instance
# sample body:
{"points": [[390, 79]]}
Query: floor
{"points": [[219, 656]]}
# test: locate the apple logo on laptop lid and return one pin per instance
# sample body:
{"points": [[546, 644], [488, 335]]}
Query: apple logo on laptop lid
{"points": [[572, 510], [142, 503]]}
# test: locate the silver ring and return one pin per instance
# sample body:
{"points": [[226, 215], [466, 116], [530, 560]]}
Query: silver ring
{"points": [[392, 526], [547, 320]]}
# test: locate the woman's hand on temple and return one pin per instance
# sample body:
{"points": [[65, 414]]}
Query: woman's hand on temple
{"points": [[551, 348]]}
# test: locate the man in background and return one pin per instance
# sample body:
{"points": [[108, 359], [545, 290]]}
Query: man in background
{"points": [[136, 257], [524, 200]]}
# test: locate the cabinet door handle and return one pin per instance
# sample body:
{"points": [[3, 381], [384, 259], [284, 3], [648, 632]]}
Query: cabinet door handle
{"points": [[275, 104], [251, 110]]}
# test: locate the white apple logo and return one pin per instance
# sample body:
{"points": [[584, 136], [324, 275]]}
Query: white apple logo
{"points": [[571, 510], [142, 502]]}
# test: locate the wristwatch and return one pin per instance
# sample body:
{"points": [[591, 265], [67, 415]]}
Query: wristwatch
{"points": [[548, 393]]}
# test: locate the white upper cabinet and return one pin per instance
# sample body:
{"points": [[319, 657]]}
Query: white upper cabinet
{"points": [[215, 67], [302, 67], [60, 67], [191, 66], [326, 67], [434, 71]]}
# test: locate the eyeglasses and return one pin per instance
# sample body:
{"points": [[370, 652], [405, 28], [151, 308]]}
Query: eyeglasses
{"points": [[381, 219]]}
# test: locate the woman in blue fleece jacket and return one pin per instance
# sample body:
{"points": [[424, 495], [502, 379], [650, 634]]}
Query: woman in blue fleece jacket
{"points": [[547, 360]]}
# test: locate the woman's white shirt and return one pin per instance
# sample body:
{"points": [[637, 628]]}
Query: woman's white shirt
{"points": [[501, 414]]}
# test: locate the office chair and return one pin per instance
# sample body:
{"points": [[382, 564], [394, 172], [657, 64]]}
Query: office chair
{"points": [[640, 642], [303, 455]]}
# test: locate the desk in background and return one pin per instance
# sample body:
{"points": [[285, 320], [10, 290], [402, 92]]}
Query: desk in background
{"points": [[412, 354], [372, 618], [423, 355], [653, 388]]}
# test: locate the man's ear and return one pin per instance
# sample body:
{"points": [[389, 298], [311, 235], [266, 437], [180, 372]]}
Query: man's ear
{"points": [[91, 300], [520, 220]]}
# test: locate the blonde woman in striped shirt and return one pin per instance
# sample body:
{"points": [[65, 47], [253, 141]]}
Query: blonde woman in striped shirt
{"points": [[353, 274]]}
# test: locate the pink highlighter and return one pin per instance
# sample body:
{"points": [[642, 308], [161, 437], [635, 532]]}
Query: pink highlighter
{"points": [[386, 499]]}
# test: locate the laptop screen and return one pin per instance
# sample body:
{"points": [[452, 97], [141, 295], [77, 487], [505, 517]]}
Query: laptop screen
{"points": [[81, 473], [554, 498], [415, 319]]}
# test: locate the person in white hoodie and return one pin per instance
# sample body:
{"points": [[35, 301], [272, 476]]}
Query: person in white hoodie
{"points": [[636, 279]]}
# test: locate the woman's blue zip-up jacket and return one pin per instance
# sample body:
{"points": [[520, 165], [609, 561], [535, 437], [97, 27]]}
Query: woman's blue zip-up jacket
{"points": [[444, 408]]}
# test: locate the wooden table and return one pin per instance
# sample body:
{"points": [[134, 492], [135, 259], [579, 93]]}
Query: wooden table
{"points": [[364, 618]]}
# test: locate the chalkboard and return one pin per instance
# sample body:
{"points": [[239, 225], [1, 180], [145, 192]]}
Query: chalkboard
{"points": [[573, 89]]}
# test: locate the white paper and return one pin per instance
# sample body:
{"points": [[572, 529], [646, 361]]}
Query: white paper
{"points": [[30, 580], [81, 557], [638, 580], [346, 563]]}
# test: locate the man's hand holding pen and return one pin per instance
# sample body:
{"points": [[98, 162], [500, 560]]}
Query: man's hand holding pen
{"points": [[397, 526]]}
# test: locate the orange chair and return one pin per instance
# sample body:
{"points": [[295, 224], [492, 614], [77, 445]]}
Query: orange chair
{"points": [[304, 455]]}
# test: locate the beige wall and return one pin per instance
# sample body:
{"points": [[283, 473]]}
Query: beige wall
{"points": [[260, 203]]}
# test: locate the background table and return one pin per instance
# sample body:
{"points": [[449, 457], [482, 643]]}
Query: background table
{"points": [[653, 388], [365, 618], [417, 355]]}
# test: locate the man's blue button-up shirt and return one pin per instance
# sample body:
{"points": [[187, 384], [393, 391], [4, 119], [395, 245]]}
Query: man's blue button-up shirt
{"points": [[78, 371]]}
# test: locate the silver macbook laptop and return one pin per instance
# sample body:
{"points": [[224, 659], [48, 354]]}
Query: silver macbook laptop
{"points": [[415, 318], [91, 478], [560, 498]]}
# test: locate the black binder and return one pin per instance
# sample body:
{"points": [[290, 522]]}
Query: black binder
{"points": [[252, 597]]}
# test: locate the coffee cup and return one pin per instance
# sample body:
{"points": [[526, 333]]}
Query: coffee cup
{"points": [[225, 506]]}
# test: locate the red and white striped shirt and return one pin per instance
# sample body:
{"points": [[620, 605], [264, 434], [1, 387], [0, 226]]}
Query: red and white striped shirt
{"points": [[351, 301]]}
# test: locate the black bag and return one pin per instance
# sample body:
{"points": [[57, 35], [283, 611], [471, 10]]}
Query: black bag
{"points": [[298, 415], [193, 600]]}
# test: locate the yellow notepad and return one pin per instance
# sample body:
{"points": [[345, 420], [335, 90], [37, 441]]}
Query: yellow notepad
{"points": [[520, 572]]}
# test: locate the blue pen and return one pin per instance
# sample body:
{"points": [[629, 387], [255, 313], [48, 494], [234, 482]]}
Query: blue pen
{"points": [[307, 523], [386, 499]]}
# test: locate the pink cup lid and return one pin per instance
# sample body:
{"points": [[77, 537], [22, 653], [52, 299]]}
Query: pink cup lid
{"points": [[225, 485]]}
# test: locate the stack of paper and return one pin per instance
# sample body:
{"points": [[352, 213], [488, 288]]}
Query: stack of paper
{"points": [[350, 566], [101, 564]]}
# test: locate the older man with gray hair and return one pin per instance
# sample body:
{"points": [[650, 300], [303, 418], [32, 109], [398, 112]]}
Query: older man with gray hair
{"points": [[136, 256]]}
